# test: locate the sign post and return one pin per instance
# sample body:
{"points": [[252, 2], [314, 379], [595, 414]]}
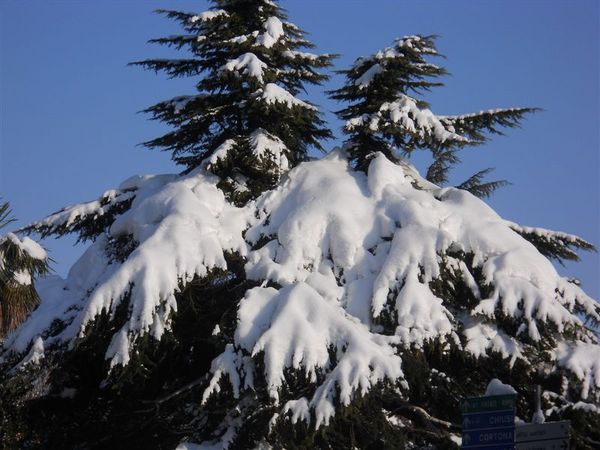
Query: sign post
{"points": [[488, 423]]}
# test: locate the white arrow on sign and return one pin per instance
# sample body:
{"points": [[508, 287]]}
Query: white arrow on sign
{"points": [[466, 422]]}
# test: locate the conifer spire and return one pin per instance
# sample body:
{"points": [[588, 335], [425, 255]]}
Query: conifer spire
{"points": [[386, 113], [245, 122]]}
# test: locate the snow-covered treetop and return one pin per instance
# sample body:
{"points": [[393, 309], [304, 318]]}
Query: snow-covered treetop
{"points": [[346, 263], [251, 66], [409, 54], [386, 112]]}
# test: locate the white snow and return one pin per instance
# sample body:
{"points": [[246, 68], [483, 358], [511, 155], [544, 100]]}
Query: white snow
{"points": [[272, 94], [462, 117], [588, 407], [538, 417], [293, 54], [35, 355], [406, 114], [295, 327], [367, 77], [299, 409], [583, 360], [483, 338], [457, 439], [413, 44], [22, 277], [247, 64], [57, 302], [208, 15], [66, 217], [183, 226], [497, 387], [316, 237], [221, 153], [26, 245], [267, 146], [273, 32]]}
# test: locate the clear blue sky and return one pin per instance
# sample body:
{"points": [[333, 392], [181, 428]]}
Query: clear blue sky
{"points": [[69, 128]]}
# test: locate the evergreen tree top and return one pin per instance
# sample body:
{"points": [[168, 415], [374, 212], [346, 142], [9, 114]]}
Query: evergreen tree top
{"points": [[251, 65], [387, 112], [399, 69]]}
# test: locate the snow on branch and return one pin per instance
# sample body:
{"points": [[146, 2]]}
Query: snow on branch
{"points": [[182, 226], [416, 126], [553, 244], [273, 32], [583, 360], [294, 328], [248, 64], [472, 125], [272, 94], [267, 147], [87, 220]]}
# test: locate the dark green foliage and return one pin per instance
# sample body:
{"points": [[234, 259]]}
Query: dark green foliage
{"points": [[403, 70], [553, 244], [585, 428], [362, 424], [228, 111], [479, 189], [153, 401], [392, 79], [87, 220]]}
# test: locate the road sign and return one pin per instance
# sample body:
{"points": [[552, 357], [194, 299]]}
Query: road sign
{"points": [[489, 423], [542, 431], [490, 436], [543, 436], [490, 419], [492, 403], [553, 444]]}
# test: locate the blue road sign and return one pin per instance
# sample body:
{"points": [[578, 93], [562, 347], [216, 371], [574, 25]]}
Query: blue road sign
{"points": [[488, 436], [488, 423], [489, 419]]}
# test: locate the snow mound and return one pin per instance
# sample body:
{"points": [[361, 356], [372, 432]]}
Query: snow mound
{"points": [[497, 387], [583, 360], [384, 237], [349, 266], [181, 228], [273, 32], [247, 64], [405, 113], [294, 328], [272, 94]]}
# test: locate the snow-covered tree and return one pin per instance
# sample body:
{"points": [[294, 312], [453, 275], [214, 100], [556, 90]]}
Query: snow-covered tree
{"points": [[21, 260], [349, 306], [386, 115], [245, 122]]}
